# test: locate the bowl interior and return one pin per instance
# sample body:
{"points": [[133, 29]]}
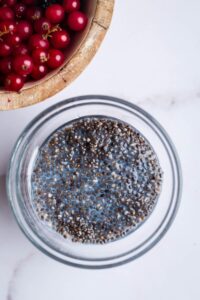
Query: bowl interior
{"points": [[89, 255], [89, 7]]}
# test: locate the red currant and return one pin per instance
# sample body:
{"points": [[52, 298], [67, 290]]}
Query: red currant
{"points": [[8, 26], [39, 71], [5, 49], [23, 65], [10, 2], [71, 5], [37, 41], [5, 65], [32, 46], [21, 50], [20, 10], [60, 39], [26, 77], [13, 82], [56, 58], [33, 13], [40, 56], [42, 25], [13, 40], [55, 13], [24, 29], [6, 13], [77, 21]]}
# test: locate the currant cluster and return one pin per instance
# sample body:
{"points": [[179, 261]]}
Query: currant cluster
{"points": [[34, 37]]}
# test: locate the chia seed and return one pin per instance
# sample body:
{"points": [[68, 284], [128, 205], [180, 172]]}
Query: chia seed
{"points": [[95, 180]]}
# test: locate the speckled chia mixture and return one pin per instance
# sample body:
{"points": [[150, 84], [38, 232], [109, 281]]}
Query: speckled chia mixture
{"points": [[95, 180]]}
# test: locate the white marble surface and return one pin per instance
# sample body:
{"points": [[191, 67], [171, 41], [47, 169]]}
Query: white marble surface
{"points": [[151, 56]]}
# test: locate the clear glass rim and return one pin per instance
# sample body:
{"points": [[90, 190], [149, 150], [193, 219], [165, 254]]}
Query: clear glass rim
{"points": [[152, 240]]}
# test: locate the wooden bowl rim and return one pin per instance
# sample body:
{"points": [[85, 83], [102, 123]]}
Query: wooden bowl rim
{"points": [[69, 72]]}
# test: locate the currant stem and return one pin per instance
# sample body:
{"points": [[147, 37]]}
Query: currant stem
{"points": [[50, 31], [2, 33]]}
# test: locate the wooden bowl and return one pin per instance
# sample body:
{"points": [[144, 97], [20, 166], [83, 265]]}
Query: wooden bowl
{"points": [[79, 55]]}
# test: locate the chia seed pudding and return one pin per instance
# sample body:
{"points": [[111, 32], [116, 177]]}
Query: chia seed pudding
{"points": [[95, 180]]}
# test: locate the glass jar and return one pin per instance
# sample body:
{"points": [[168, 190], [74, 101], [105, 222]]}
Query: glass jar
{"points": [[89, 255]]}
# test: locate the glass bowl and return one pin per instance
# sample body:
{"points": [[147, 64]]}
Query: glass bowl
{"points": [[89, 255]]}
